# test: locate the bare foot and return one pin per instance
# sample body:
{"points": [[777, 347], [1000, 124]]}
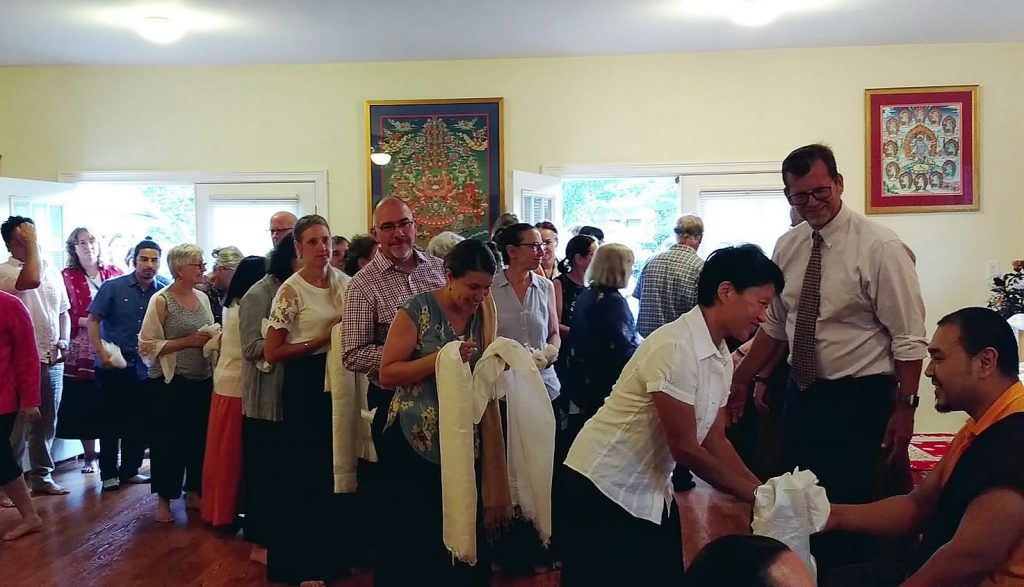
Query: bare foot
{"points": [[193, 501], [163, 511], [258, 554], [5, 502], [312, 584], [25, 528], [50, 489]]}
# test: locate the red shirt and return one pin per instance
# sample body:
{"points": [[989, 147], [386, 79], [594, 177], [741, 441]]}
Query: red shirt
{"points": [[19, 359]]}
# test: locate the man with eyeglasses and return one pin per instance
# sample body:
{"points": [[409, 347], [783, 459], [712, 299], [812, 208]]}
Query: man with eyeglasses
{"points": [[853, 316], [396, 273], [281, 223]]}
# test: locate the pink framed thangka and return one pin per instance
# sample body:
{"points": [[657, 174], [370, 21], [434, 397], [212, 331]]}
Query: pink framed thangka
{"points": [[446, 162], [922, 149]]}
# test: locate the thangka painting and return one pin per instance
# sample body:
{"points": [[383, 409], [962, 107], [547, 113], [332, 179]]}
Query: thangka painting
{"points": [[446, 162], [922, 150]]}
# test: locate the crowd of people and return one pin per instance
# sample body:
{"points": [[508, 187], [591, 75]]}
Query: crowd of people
{"points": [[311, 389]]}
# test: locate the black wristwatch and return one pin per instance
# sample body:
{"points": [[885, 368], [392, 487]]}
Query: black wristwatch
{"points": [[910, 400]]}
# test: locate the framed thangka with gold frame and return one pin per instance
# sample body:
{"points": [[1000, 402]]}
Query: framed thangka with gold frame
{"points": [[446, 162], [922, 149]]}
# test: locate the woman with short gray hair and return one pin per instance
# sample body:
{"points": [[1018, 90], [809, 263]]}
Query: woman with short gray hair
{"points": [[443, 243], [171, 343], [225, 262]]}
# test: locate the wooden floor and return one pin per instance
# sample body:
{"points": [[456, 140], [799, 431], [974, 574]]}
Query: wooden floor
{"points": [[96, 538]]}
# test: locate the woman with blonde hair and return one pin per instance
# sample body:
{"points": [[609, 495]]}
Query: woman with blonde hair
{"points": [[178, 323], [78, 416]]}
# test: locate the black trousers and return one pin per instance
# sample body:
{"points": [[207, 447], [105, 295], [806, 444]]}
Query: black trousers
{"points": [[9, 468], [414, 551], [180, 419], [835, 428], [608, 546], [127, 414], [262, 457]]}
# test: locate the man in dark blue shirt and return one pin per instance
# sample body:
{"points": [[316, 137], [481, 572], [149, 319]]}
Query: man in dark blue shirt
{"points": [[115, 316]]}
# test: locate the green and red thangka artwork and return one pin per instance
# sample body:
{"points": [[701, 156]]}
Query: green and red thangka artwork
{"points": [[446, 162]]}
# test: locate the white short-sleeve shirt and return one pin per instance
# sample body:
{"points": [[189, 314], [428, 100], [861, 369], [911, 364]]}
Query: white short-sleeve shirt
{"points": [[304, 310], [623, 449], [45, 303]]}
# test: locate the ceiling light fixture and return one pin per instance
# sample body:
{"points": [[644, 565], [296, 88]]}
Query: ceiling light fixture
{"points": [[380, 157], [754, 13], [160, 29]]}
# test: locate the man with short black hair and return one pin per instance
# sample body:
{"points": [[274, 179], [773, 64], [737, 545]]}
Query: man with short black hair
{"points": [[747, 560], [115, 316], [40, 287], [970, 508]]}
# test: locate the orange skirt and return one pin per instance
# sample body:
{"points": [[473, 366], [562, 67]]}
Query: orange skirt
{"points": [[222, 467]]}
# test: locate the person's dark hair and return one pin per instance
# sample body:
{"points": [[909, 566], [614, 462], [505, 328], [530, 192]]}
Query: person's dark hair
{"points": [[982, 328], [248, 272], [305, 222], [735, 559], [577, 245], [146, 243], [592, 231], [12, 222], [337, 240], [361, 247], [281, 259], [546, 225], [743, 265], [799, 162], [505, 220], [470, 255], [510, 235]]}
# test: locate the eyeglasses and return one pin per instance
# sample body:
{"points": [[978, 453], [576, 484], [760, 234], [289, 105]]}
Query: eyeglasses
{"points": [[536, 246], [799, 199], [402, 225], [200, 265], [281, 230]]}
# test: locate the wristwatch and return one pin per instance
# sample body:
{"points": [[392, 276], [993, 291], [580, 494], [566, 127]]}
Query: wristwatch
{"points": [[910, 400]]}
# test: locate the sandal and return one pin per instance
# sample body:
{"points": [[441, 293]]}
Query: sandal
{"points": [[87, 468]]}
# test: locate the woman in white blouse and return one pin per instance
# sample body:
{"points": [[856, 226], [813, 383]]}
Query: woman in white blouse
{"points": [[304, 545], [222, 466], [667, 407]]}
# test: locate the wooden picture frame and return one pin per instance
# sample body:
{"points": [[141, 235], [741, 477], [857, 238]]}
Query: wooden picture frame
{"points": [[447, 162], [921, 150]]}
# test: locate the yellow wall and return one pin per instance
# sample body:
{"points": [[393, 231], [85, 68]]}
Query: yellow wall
{"points": [[742, 106]]}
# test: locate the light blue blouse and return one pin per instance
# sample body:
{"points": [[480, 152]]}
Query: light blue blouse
{"points": [[527, 321]]}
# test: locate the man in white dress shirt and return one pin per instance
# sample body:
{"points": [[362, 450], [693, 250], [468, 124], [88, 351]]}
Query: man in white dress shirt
{"points": [[667, 407], [853, 316], [40, 287]]}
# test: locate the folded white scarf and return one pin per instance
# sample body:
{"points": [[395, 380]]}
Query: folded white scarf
{"points": [[462, 399], [350, 419]]}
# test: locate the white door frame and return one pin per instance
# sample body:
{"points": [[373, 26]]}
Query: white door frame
{"points": [[317, 178], [660, 169]]}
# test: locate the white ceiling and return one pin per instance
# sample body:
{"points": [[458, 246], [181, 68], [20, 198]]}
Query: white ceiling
{"points": [[91, 32]]}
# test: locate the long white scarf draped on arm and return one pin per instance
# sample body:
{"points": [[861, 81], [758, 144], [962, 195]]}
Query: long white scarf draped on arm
{"points": [[462, 399], [350, 418]]}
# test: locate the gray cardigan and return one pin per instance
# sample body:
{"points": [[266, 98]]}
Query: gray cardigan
{"points": [[261, 391]]}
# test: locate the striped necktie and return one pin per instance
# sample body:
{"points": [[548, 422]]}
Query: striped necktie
{"points": [[805, 354]]}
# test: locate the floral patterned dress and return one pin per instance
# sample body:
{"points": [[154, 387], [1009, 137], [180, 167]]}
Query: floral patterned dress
{"points": [[415, 406]]}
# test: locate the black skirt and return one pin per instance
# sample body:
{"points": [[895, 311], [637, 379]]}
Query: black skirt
{"points": [[309, 538], [80, 414]]}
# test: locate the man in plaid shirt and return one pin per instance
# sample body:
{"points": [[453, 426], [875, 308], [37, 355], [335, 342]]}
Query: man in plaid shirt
{"points": [[396, 273], [667, 287]]}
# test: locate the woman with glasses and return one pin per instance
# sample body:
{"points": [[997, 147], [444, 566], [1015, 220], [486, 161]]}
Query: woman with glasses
{"points": [[305, 542], [177, 324], [78, 416], [525, 304]]}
